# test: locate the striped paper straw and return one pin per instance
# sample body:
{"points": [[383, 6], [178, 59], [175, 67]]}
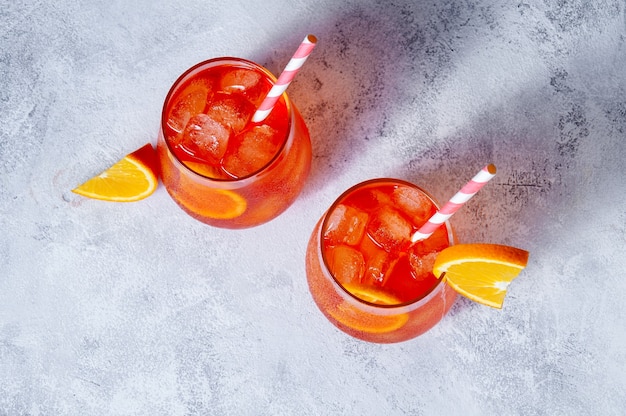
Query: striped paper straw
{"points": [[285, 78], [457, 201]]}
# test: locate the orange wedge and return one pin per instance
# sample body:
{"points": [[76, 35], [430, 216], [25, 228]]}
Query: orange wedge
{"points": [[131, 179], [481, 272], [356, 319]]}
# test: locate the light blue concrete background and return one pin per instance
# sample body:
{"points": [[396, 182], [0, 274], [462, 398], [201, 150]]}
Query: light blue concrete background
{"points": [[136, 309]]}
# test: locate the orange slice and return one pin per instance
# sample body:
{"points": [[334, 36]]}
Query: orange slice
{"points": [[205, 169], [372, 295], [352, 317], [131, 179], [216, 203], [480, 272]]}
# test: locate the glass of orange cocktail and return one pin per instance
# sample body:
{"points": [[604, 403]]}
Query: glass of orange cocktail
{"points": [[363, 271], [219, 166]]}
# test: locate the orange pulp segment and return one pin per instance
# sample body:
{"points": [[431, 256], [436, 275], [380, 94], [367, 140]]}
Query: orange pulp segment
{"points": [[480, 272], [350, 316], [133, 178]]}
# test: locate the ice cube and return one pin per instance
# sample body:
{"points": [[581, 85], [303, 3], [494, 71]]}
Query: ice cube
{"points": [[380, 197], [346, 264], [190, 102], [390, 229], [239, 79], [346, 225], [232, 110], [421, 264], [246, 82], [253, 149], [368, 247], [417, 206], [437, 241], [206, 138], [378, 268]]}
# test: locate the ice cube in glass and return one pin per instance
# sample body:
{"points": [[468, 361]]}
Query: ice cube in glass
{"points": [[346, 225], [231, 110], [346, 264], [251, 151], [190, 102], [390, 229], [206, 138]]}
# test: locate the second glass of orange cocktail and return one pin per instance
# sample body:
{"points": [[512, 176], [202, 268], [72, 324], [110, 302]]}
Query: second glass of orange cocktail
{"points": [[363, 271], [219, 166]]}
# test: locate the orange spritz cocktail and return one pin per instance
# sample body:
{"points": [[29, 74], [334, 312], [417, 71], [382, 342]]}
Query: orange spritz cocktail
{"points": [[219, 166], [364, 273]]}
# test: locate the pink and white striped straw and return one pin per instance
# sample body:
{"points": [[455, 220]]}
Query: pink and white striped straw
{"points": [[285, 78], [456, 202]]}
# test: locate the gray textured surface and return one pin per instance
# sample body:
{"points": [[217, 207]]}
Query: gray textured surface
{"points": [[135, 309]]}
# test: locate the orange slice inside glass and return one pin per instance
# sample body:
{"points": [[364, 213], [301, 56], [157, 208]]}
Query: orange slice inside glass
{"points": [[204, 169], [349, 315], [216, 203], [133, 178], [480, 272]]}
